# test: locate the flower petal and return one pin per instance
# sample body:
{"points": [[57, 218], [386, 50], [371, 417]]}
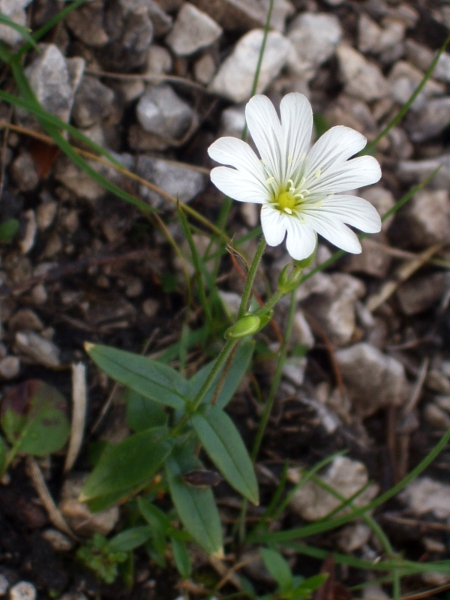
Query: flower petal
{"points": [[239, 186], [301, 239], [354, 211], [334, 231], [336, 145], [236, 153], [296, 123], [351, 175], [265, 128], [273, 224]]}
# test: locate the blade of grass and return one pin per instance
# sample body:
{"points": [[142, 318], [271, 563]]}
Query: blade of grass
{"points": [[24, 31], [402, 112], [327, 525]]}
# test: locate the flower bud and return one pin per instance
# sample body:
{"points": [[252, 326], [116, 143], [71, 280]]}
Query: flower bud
{"points": [[245, 326]]}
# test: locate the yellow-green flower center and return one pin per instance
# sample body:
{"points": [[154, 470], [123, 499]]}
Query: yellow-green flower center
{"points": [[286, 202]]}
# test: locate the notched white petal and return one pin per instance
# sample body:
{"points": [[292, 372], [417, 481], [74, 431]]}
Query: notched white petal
{"points": [[296, 122], [351, 175], [273, 224], [334, 231], [236, 153], [238, 186], [354, 211], [301, 239], [334, 147]]}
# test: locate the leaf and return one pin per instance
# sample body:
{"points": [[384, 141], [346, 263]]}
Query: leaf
{"points": [[130, 464], [237, 370], [34, 418], [8, 230], [129, 539], [181, 557], [226, 449], [24, 31], [196, 507], [277, 567], [142, 412], [154, 516], [152, 379]]}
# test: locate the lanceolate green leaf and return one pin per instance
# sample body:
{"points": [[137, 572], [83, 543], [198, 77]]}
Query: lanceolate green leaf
{"points": [[152, 379], [226, 449], [129, 539], [237, 370], [195, 506], [133, 462]]}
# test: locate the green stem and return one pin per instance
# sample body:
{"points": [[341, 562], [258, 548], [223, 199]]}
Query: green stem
{"points": [[246, 294], [276, 380]]}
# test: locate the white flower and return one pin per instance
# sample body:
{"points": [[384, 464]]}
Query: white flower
{"points": [[300, 190]]}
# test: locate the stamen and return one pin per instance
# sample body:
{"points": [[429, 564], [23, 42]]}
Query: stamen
{"points": [[288, 210], [270, 180], [289, 159], [318, 173]]}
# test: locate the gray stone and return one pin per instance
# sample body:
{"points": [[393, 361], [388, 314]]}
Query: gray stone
{"points": [[353, 113], [162, 22], [54, 81], [422, 57], [58, 541], [160, 111], [45, 214], [87, 24], [361, 78], [354, 537], [232, 121], [401, 147], [425, 495], [383, 200], [25, 318], [93, 102], [204, 69], [372, 260], [404, 79], [426, 218], [330, 299], [183, 184], [77, 514], [436, 417], [345, 476], [24, 590], [429, 121], [158, 60], [4, 585], [234, 14], [76, 180], [27, 242], [130, 31], [9, 367], [193, 29], [301, 331], [314, 38], [415, 171], [282, 9], [373, 380], [294, 369], [234, 79], [37, 349], [422, 292], [24, 172]]}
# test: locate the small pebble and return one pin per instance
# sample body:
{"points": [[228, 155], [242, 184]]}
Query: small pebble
{"points": [[58, 541], [22, 591], [9, 367]]}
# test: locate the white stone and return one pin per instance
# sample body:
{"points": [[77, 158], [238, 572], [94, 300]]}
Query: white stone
{"points": [[282, 9], [425, 495], [159, 60], [314, 38], [232, 121], [181, 183], [162, 112], [37, 348], [54, 80], [192, 30], [345, 476], [361, 78], [27, 242], [353, 537], [23, 591], [234, 79], [45, 214], [204, 69], [78, 515], [429, 121], [9, 367], [372, 379], [23, 171]]}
